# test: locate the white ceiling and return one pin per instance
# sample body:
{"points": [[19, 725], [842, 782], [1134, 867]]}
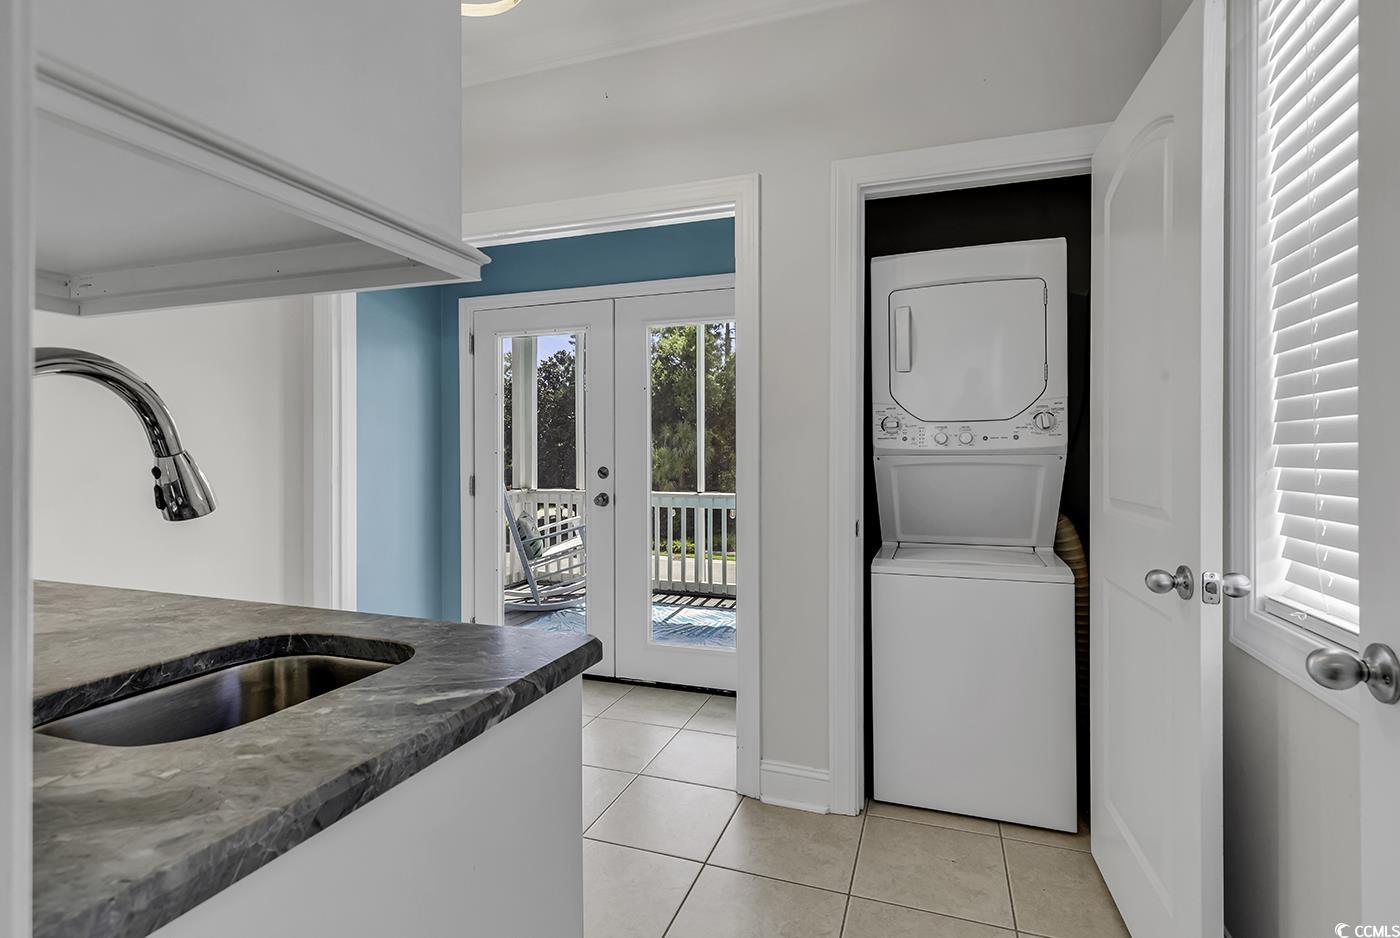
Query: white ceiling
{"points": [[544, 34]]}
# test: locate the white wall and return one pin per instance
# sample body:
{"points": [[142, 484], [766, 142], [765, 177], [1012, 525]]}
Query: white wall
{"points": [[784, 100], [1292, 811], [1172, 12], [234, 377]]}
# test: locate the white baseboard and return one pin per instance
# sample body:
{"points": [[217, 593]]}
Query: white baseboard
{"points": [[795, 786]]}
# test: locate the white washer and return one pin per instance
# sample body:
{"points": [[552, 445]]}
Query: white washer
{"points": [[972, 647]]}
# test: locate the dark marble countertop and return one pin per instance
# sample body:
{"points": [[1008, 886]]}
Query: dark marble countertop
{"points": [[128, 838]]}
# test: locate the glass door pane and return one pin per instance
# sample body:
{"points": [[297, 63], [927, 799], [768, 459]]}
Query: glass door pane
{"points": [[691, 498], [677, 525], [544, 566]]}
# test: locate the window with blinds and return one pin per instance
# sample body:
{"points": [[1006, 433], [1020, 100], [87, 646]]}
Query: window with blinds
{"points": [[1306, 536]]}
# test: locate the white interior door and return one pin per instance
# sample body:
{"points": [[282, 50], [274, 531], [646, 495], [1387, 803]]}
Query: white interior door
{"points": [[16, 366], [543, 402], [677, 539], [1156, 497], [1380, 451]]}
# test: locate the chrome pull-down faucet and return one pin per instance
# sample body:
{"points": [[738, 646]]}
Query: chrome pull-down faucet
{"points": [[181, 491]]}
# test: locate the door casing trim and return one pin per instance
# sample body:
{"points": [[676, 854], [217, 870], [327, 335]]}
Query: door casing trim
{"points": [[997, 161], [736, 195]]}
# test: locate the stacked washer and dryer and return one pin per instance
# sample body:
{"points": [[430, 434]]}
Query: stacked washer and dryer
{"points": [[972, 614]]}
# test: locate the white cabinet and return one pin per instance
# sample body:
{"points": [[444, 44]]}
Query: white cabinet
{"points": [[191, 151], [484, 842]]}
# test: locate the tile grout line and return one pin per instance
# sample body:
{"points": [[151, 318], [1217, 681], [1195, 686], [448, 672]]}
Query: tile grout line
{"points": [[948, 915], [789, 882], [834, 892], [683, 781], [1006, 868], [669, 726], [610, 803], [1037, 843], [669, 741], [703, 864], [860, 840], [850, 884]]}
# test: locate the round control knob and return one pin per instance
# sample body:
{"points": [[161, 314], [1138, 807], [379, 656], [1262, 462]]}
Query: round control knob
{"points": [[1045, 420], [940, 438], [964, 438], [889, 424]]}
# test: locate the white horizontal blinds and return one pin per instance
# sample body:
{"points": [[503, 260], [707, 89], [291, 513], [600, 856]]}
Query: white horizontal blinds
{"points": [[1308, 148]]}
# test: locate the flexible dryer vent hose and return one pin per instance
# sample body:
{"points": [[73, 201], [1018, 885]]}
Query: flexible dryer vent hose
{"points": [[1070, 549]]}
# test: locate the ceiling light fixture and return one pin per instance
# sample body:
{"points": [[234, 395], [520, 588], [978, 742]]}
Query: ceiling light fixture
{"points": [[488, 9]]}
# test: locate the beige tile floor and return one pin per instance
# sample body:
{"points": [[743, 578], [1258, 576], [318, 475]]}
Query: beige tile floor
{"points": [[670, 850]]}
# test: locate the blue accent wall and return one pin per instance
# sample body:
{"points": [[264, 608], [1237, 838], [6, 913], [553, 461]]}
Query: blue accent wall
{"points": [[409, 473], [399, 458]]}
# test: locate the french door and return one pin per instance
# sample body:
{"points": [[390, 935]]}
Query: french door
{"points": [[543, 530], [677, 525], [605, 479]]}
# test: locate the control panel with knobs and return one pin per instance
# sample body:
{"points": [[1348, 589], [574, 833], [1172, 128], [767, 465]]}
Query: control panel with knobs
{"points": [[1035, 430]]}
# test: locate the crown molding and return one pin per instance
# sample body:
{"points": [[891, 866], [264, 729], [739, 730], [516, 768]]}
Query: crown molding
{"points": [[733, 15]]}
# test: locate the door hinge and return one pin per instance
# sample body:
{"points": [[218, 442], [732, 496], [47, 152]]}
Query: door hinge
{"points": [[471, 343], [471, 485], [857, 529]]}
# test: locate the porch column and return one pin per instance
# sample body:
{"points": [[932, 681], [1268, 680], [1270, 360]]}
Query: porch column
{"points": [[524, 409], [580, 413]]}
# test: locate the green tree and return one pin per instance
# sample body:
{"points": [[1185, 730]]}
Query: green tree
{"points": [[673, 465], [557, 441], [721, 407], [673, 408]]}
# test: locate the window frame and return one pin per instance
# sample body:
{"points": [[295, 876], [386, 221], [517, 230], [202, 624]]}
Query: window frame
{"points": [[1279, 641]]}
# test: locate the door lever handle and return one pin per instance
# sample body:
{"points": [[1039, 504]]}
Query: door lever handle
{"points": [[1160, 581], [1377, 668]]}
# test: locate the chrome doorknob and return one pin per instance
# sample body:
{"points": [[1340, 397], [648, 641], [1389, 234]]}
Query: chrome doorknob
{"points": [[1236, 585], [1160, 581], [1339, 669]]}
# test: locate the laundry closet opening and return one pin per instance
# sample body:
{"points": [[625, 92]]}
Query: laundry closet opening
{"points": [[991, 215]]}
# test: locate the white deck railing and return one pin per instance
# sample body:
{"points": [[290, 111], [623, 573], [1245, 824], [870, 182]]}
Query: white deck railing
{"points": [[693, 536]]}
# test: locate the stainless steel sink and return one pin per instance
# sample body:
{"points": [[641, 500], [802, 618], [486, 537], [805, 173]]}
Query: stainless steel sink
{"points": [[212, 702]]}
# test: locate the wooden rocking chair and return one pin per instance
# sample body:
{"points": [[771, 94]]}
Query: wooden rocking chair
{"points": [[552, 558]]}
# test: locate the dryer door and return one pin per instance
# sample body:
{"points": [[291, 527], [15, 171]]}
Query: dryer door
{"points": [[964, 352]]}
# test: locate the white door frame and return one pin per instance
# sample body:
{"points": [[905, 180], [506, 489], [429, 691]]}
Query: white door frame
{"points": [[16, 367], [1021, 158], [737, 195], [332, 455]]}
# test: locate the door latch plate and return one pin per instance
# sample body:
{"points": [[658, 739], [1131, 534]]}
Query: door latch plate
{"points": [[1210, 588]]}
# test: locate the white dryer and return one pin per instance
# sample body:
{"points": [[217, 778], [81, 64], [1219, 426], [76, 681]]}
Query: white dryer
{"points": [[972, 618]]}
